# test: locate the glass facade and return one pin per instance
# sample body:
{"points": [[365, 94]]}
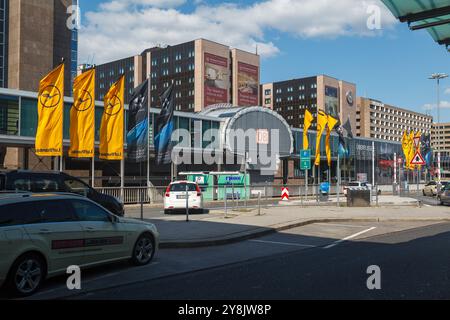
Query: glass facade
{"points": [[18, 117]]}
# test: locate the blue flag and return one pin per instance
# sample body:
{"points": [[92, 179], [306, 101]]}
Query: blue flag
{"points": [[164, 128]]}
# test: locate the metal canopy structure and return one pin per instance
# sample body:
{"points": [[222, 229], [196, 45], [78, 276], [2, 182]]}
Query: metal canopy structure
{"points": [[432, 15]]}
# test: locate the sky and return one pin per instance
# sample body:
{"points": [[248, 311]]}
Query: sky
{"points": [[295, 38]]}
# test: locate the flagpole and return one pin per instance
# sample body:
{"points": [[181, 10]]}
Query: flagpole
{"points": [[93, 171], [148, 138]]}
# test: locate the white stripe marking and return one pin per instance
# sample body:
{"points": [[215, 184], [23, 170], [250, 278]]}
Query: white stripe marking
{"points": [[285, 243], [339, 225], [349, 238]]}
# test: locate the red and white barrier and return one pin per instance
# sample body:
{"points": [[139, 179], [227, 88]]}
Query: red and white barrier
{"points": [[285, 194]]}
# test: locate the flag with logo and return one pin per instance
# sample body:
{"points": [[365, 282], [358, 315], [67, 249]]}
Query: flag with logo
{"points": [[138, 125], [406, 146], [331, 123], [411, 150], [307, 124], [82, 116], [322, 121], [112, 126], [164, 128], [49, 134]]}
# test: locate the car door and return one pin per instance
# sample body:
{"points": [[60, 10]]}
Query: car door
{"points": [[58, 233], [104, 238]]}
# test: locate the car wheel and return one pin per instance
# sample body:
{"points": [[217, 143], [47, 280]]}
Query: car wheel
{"points": [[167, 212], [144, 250], [26, 275]]}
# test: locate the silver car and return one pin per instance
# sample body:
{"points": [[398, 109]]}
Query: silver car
{"points": [[42, 235], [444, 196]]}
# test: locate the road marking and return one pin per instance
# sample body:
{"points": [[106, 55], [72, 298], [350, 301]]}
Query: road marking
{"points": [[339, 225], [285, 243], [349, 238]]}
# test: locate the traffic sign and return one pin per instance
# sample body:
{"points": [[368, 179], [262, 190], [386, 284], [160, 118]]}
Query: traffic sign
{"points": [[417, 142], [285, 194], [305, 160], [418, 160]]}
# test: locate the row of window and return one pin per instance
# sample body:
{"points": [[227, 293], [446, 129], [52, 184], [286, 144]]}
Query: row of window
{"points": [[290, 89], [400, 113], [178, 57], [291, 98]]}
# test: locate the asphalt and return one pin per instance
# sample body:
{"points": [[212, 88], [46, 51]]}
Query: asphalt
{"points": [[173, 263], [218, 227], [413, 265]]}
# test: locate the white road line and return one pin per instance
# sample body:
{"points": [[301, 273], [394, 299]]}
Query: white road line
{"points": [[339, 225], [285, 243], [349, 238]]}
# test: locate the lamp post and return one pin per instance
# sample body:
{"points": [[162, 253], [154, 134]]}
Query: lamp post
{"points": [[438, 77]]}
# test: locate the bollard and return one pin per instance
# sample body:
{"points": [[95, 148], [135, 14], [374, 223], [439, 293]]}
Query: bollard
{"points": [[259, 203]]}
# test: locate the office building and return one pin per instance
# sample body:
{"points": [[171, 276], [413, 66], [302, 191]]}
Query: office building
{"points": [[292, 97], [37, 40], [378, 120], [204, 73], [440, 138]]}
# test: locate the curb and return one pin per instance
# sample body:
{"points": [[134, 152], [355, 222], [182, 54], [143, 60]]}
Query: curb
{"points": [[260, 232]]}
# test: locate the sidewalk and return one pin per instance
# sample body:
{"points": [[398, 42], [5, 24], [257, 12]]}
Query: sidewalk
{"points": [[217, 229]]}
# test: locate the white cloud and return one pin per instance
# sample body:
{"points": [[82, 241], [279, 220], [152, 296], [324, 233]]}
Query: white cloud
{"points": [[443, 105], [447, 91], [126, 27]]}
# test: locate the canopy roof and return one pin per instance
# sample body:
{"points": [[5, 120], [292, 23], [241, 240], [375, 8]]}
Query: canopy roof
{"points": [[433, 15]]}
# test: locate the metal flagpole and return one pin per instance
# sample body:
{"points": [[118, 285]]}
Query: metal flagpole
{"points": [[122, 179], [93, 171], [148, 136], [61, 163]]}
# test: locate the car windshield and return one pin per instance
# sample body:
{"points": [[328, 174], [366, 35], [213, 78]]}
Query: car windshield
{"points": [[179, 187], [354, 184]]}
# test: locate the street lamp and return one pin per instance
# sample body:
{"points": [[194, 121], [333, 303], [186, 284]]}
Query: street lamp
{"points": [[438, 77]]}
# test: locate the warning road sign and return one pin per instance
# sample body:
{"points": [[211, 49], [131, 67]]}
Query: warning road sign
{"points": [[417, 142], [418, 160]]}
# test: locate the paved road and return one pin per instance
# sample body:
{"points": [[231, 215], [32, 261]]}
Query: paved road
{"points": [[315, 261]]}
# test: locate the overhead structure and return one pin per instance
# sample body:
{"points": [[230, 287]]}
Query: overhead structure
{"points": [[432, 15]]}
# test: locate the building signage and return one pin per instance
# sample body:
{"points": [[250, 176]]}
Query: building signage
{"points": [[262, 136], [217, 79], [350, 99], [332, 102], [248, 83]]}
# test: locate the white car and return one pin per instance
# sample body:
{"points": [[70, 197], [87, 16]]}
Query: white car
{"points": [[42, 235], [175, 198]]}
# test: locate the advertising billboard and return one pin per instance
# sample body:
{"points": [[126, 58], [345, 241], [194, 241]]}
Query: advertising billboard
{"points": [[332, 102], [248, 82], [217, 79]]}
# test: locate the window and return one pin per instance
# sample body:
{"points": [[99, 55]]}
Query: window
{"points": [[268, 101], [180, 187], [77, 187], [87, 211], [54, 211], [268, 92], [18, 214]]}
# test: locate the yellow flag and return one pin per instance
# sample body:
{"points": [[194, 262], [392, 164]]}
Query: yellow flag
{"points": [[49, 134], [331, 123], [405, 147], [322, 121], [411, 150], [82, 116], [307, 124], [112, 127]]}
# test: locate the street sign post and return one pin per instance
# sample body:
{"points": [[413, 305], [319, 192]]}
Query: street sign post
{"points": [[305, 164], [418, 160], [305, 160]]}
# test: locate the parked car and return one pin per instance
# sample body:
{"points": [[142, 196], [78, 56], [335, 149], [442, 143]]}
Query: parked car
{"points": [[175, 197], [444, 196], [430, 188], [45, 182], [42, 235]]}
